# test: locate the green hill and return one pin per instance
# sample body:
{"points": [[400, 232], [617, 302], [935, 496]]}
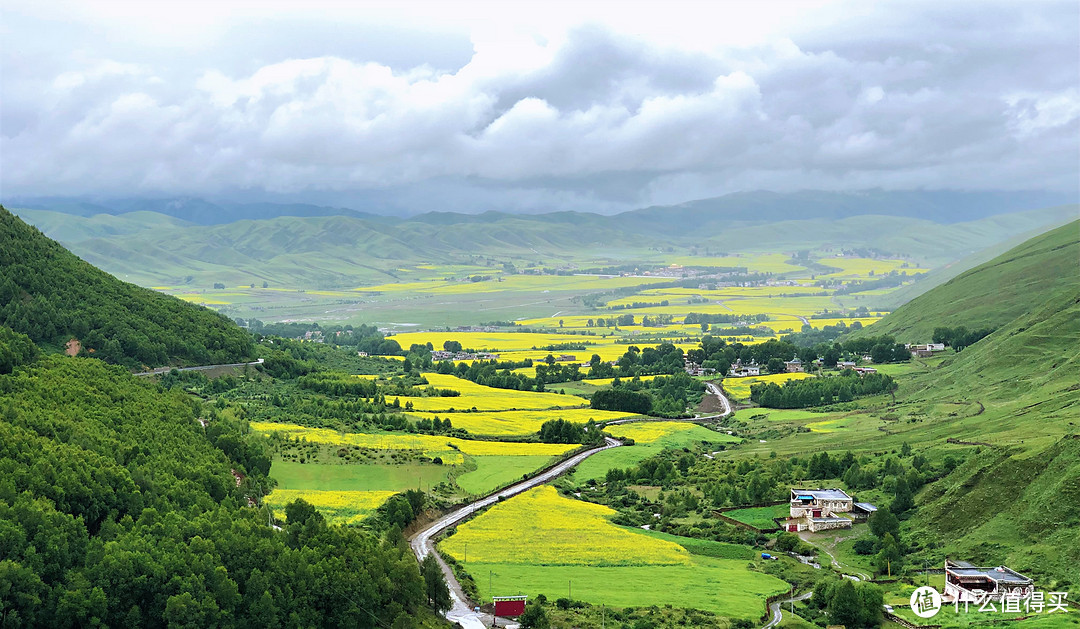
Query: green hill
{"points": [[1008, 405], [118, 509], [52, 296], [334, 252], [1018, 282]]}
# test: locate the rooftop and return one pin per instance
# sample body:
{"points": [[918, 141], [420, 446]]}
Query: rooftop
{"points": [[999, 573], [821, 494], [866, 506]]}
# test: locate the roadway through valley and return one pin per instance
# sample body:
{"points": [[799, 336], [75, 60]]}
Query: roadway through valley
{"points": [[422, 542]]}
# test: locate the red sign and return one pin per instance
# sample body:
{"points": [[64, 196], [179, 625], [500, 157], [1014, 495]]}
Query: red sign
{"points": [[511, 607]]}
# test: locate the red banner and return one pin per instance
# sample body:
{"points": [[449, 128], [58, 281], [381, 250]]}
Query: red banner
{"points": [[509, 608]]}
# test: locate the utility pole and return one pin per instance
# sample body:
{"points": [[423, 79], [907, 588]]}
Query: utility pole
{"points": [[466, 552]]}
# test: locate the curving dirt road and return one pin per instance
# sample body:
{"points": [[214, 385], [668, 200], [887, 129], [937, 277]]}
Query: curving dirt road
{"points": [[715, 390]]}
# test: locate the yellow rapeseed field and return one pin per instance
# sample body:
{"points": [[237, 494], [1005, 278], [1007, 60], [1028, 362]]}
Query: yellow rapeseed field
{"points": [[739, 388], [485, 398], [861, 267], [648, 432], [447, 448], [509, 423], [541, 527], [344, 507]]}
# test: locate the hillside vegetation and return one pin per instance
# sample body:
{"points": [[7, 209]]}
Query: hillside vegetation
{"points": [[1020, 281], [50, 295], [118, 509]]}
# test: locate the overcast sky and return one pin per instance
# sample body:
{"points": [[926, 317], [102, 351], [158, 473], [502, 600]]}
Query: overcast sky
{"points": [[505, 105]]}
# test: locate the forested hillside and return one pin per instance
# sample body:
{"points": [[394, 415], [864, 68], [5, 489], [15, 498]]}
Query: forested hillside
{"points": [[118, 508], [52, 296]]}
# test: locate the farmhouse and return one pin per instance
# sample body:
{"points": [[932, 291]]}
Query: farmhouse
{"points": [[965, 582], [845, 364], [794, 365], [924, 350], [566, 358], [818, 510], [864, 370], [362, 354], [739, 370]]}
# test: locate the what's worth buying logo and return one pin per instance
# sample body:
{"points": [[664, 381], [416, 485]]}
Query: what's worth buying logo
{"points": [[925, 602]]}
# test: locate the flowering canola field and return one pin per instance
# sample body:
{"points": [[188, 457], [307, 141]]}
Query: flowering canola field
{"points": [[450, 449], [511, 423], [543, 528], [651, 432], [485, 398], [343, 507], [740, 387]]}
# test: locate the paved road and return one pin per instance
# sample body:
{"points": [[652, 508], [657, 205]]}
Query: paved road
{"points": [[154, 372], [775, 608], [423, 543]]}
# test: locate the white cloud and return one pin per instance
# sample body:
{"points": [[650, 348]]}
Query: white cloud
{"points": [[701, 99]]}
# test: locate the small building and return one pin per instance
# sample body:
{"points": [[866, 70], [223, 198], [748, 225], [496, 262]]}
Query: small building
{"points": [[794, 365], [819, 502], [862, 511], [921, 353], [739, 370], [864, 370], [566, 358], [845, 364], [965, 582], [362, 354]]}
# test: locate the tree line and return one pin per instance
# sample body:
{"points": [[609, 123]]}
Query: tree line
{"points": [[821, 391]]}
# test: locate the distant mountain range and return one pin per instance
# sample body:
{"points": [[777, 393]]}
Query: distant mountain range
{"points": [[155, 249], [941, 206]]}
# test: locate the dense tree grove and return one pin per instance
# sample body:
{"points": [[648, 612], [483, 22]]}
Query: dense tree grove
{"points": [[820, 391], [15, 349], [562, 431], [118, 508], [959, 337], [50, 295]]}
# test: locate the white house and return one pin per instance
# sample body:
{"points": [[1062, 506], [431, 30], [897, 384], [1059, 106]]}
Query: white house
{"points": [[965, 582]]}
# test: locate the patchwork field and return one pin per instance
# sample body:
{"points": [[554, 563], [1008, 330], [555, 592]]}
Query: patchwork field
{"points": [[343, 507], [739, 388], [519, 423], [478, 397], [540, 542], [653, 439]]}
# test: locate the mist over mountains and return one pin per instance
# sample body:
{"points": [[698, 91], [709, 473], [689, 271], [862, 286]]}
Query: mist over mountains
{"points": [[942, 206]]}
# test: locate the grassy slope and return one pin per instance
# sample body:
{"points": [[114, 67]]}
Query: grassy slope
{"points": [[994, 293], [1016, 501]]}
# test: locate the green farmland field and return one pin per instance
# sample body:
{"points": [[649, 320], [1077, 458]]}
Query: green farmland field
{"points": [[724, 586]]}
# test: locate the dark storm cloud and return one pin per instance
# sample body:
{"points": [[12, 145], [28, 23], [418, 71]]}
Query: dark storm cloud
{"points": [[897, 95]]}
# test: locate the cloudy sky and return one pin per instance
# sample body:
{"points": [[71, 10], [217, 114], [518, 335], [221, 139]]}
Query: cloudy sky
{"points": [[544, 106]]}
